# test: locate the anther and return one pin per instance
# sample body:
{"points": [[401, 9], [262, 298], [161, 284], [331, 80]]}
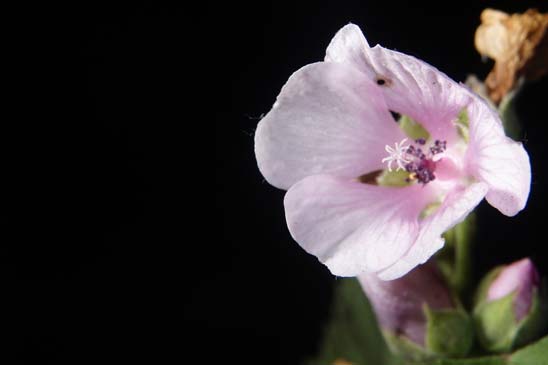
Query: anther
{"points": [[438, 147]]}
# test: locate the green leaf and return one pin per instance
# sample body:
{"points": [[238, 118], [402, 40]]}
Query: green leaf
{"points": [[535, 354], [487, 360], [352, 334]]}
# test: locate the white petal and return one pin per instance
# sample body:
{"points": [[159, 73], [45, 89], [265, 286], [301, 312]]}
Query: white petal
{"points": [[411, 86], [456, 206], [348, 46], [497, 160], [352, 227], [328, 118]]}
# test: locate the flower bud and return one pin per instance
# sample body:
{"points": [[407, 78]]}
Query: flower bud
{"points": [[417, 314], [508, 311]]}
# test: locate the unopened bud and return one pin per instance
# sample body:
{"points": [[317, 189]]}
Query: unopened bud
{"points": [[508, 311], [417, 314]]}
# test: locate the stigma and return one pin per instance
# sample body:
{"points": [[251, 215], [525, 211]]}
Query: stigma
{"points": [[398, 154], [412, 158]]}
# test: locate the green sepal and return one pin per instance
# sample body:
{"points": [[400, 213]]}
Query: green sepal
{"points": [[449, 332], [534, 323], [412, 128], [463, 125], [496, 324], [485, 283], [393, 178], [406, 348], [497, 327]]}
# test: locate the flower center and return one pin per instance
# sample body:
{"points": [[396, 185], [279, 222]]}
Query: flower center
{"points": [[414, 160]]}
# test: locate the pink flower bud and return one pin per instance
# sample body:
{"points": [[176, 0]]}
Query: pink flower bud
{"points": [[521, 276], [399, 303]]}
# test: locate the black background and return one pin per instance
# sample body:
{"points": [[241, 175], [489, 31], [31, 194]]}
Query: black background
{"points": [[111, 234]]}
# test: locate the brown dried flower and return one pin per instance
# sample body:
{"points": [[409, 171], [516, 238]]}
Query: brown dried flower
{"points": [[519, 45]]}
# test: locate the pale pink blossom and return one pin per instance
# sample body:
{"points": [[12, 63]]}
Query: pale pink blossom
{"points": [[331, 124]]}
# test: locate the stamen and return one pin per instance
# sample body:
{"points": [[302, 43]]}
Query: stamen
{"points": [[438, 147], [412, 159]]}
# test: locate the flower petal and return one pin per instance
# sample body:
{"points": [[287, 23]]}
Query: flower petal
{"points": [[328, 118], [497, 160], [455, 207], [353, 227], [410, 86], [348, 47]]}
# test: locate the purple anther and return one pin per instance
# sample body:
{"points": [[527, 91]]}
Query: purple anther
{"points": [[411, 167], [425, 171], [438, 147], [421, 166], [415, 151]]}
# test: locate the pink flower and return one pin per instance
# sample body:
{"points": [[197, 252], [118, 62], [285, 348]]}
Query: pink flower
{"points": [[521, 276], [331, 124]]}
